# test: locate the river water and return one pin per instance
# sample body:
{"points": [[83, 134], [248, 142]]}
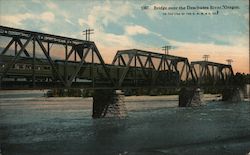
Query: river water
{"points": [[31, 124]]}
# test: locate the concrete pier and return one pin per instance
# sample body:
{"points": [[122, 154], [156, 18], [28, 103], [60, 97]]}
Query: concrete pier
{"points": [[190, 97], [247, 91], [109, 103], [232, 94]]}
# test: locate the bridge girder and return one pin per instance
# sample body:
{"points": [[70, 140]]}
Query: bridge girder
{"points": [[159, 62], [207, 72], [80, 48], [81, 56]]}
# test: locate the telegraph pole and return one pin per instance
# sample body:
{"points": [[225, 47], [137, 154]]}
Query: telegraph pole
{"points": [[206, 57], [229, 61], [166, 48], [87, 33]]}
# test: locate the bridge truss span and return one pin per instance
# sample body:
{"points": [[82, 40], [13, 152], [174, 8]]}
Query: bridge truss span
{"points": [[38, 60], [212, 73], [158, 69], [45, 59]]}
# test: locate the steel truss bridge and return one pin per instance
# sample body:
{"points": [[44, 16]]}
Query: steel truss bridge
{"points": [[38, 60]]}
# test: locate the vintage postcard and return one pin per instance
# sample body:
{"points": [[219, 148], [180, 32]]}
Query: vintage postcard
{"points": [[124, 77]]}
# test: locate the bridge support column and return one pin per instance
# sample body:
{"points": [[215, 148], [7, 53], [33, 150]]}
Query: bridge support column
{"points": [[108, 103], [247, 91], [232, 94], [190, 97]]}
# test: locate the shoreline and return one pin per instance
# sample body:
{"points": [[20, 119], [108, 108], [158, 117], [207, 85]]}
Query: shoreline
{"points": [[40, 94]]}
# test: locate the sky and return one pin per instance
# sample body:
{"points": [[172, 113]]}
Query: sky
{"points": [[121, 24]]}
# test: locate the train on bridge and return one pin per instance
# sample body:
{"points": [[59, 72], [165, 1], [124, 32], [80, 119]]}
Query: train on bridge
{"points": [[83, 66], [22, 72]]}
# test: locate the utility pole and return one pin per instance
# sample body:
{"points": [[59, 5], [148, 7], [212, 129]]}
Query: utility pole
{"points": [[87, 33], [206, 57], [166, 48], [229, 61]]}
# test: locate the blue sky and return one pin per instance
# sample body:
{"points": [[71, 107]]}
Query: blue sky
{"points": [[124, 25]]}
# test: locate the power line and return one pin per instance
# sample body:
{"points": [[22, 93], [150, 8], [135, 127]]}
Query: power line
{"points": [[206, 57], [166, 48], [87, 33], [229, 61]]}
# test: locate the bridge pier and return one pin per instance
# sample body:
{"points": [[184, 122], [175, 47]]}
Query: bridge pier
{"points": [[247, 91], [108, 103], [190, 97], [232, 94]]}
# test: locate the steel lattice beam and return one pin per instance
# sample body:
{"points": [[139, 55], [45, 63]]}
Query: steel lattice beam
{"points": [[214, 76], [167, 63], [44, 37], [130, 68], [76, 46]]}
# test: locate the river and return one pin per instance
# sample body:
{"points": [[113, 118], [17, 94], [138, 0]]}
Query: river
{"points": [[32, 124]]}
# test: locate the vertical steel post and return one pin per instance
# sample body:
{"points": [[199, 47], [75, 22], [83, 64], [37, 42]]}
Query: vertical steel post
{"points": [[118, 69], [33, 64], [48, 49], [89, 35], [135, 70], [213, 72], [164, 65], [92, 68], [75, 61], [75, 56], [66, 63], [15, 47], [150, 65], [187, 71]]}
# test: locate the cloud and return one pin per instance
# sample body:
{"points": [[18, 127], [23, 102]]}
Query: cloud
{"points": [[103, 14], [237, 48], [69, 21], [81, 22], [36, 1], [51, 5], [47, 16], [136, 29], [218, 53], [153, 14], [48, 3], [239, 40], [15, 19], [57, 10], [45, 29], [18, 19]]}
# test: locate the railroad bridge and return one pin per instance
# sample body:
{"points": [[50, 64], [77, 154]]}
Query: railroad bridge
{"points": [[33, 60]]}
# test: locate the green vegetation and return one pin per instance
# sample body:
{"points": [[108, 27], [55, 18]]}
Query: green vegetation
{"points": [[240, 79]]}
